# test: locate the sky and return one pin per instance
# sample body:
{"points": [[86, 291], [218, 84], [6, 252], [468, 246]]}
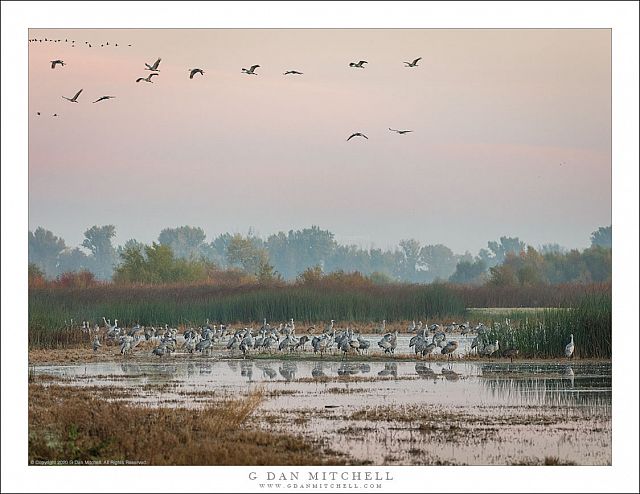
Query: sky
{"points": [[511, 134]]}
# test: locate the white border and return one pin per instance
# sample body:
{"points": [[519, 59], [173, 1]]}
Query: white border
{"points": [[621, 16]]}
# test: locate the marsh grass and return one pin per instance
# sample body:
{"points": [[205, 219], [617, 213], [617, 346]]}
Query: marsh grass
{"points": [[76, 425], [584, 310], [544, 333], [50, 307]]}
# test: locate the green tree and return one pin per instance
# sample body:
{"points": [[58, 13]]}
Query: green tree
{"points": [[439, 260], [598, 262], [44, 250], [98, 241], [133, 265], [245, 252], [500, 250], [311, 275], [601, 237], [71, 260], [468, 272], [36, 275], [531, 270], [410, 260], [379, 278], [552, 248], [185, 241], [503, 275]]}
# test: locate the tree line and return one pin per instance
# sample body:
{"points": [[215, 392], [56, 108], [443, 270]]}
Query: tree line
{"points": [[183, 254]]}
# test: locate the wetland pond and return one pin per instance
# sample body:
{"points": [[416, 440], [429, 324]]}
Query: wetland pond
{"points": [[390, 412]]}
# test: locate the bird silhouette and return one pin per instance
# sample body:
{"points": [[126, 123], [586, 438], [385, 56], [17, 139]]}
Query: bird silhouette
{"points": [[146, 79], [414, 63], [251, 70], [75, 98], [359, 65], [194, 72], [400, 131], [56, 62], [357, 134], [292, 72], [153, 67], [103, 98]]}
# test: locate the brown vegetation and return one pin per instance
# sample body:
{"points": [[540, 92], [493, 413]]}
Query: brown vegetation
{"points": [[74, 425]]}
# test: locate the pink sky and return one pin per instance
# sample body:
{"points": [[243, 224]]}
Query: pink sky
{"points": [[494, 113]]}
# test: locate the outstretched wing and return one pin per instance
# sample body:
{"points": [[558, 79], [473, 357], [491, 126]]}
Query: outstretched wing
{"points": [[362, 61], [140, 79], [155, 65], [77, 94], [415, 62], [253, 67], [53, 64], [352, 135], [151, 75]]}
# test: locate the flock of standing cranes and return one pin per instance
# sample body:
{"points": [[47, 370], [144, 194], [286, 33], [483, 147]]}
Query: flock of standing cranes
{"points": [[154, 68], [283, 338]]}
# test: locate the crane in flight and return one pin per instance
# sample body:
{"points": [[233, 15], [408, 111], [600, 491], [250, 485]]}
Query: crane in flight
{"points": [[414, 63], [251, 70], [153, 67], [75, 98], [358, 65], [400, 131], [103, 98], [295, 72], [146, 79], [56, 62], [193, 72], [357, 134]]}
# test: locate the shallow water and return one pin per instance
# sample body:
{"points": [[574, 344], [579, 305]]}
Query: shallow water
{"points": [[394, 412]]}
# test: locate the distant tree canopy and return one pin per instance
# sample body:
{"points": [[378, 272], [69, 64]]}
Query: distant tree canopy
{"points": [[156, 264], [98, 241], [44, 250], [469, 272], [602, 237], [183, 254], [531, 267], [185, 241]]}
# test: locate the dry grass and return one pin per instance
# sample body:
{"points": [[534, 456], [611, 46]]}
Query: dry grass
{"points": [[77, 425], [547, 461]]}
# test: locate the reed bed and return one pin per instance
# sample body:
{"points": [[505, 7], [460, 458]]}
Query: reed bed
{"points": [[584, 310], [545, 333], [50, 310]]}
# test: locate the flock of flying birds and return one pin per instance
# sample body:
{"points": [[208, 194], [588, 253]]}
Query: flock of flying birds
{"points": [[195, 71]]}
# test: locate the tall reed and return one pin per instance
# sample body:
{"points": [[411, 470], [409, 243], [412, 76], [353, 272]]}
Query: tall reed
{"points": [[546, 332]]}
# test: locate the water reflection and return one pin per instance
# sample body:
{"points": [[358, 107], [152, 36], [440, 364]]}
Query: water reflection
{"points": [[288, 370], [492, 383], [365, 368], [348, 368], [450, 374], [205, 368], [390, 369], [424, 370], [246, 369], [588, 385]]}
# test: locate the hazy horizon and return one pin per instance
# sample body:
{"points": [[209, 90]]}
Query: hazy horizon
{"points": [[511, 134]]}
